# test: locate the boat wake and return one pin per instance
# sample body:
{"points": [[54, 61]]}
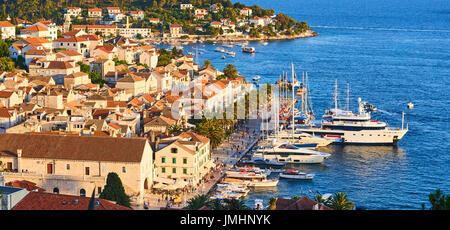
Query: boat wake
{"points": [[385, 112], [384, 29]]}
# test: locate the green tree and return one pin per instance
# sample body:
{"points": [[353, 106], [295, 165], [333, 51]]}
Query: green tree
{"points": [[175, 129], [439, 201], [197, 202], [96, 78], [115, 191], [235, 204], [7, 64], [340, 201], [207, 63], [273, 203], [230, 71], [84, 67], [4, 49]]}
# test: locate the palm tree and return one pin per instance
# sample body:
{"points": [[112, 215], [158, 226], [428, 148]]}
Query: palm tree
{"points": [[341, 202], [197, 202], [234, 204], [319, 199], [174, 129], [272, 203], [439, 201]]}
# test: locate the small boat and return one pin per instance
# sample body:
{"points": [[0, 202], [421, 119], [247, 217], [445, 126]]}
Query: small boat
{"points": [[410, 105], [264, 183], [248, 49], [295, 174], [264, 163], [256, 78], [223, 57]]}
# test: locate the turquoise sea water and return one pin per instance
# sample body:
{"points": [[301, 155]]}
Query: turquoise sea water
{"points": [[389, 52]]}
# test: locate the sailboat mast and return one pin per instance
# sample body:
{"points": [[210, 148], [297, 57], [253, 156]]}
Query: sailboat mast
{"points": [[348, 96], [335, 97], [293, 101]]}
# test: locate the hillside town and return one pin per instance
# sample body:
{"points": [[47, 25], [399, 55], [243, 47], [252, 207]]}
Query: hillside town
{"points": [[83, 101]]}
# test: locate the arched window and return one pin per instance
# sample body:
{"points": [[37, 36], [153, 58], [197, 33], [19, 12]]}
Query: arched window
{"points": [[82, 192], [56, 190]]}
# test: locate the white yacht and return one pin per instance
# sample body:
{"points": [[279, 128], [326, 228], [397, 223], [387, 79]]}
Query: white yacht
{"points": [[304, 140], [288, 153], [350, 128]]}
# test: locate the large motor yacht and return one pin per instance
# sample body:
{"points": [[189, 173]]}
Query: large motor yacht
{"points": [[288, 153], [350, 128]]}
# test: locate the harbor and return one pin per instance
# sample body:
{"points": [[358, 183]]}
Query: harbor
{"points": [[386, 69]]}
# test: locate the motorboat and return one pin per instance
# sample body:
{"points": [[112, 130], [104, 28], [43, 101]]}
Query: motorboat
{"points": [[355, 128], [288, 153], [248, 49], [410, 105], [263, 163], [295, 174], [264, 183], [256, 78], [303, 140]]}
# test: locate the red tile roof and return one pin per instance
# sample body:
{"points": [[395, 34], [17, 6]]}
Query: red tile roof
{"points": [[35, 28], [304, 203], [71, 39], [6, 24], [28, 185], [50, 201]]}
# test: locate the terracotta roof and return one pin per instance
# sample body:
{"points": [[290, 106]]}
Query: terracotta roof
{"points": [[75, 75], [91, 37], [28, 185], [35, 28], [74, 147], [71, 53], [113, 104], [195, 137], [71, 39], [175, 25], [100, 113], [94, 26], [114, 126], [94, 10], [136, 102], [51, 201], [37, 40], [304, 203], [5, 94], [131, 78], [60, 65], [4, 112], [6, 24]]}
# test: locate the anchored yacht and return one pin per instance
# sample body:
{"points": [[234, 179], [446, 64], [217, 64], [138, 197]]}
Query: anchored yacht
{"points": [[350, 128], [287, 153]]}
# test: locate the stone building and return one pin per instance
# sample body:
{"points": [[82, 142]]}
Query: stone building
{"points": [[75, 165]]}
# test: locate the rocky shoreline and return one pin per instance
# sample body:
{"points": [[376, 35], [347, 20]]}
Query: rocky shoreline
{"points": [[228, 39]]}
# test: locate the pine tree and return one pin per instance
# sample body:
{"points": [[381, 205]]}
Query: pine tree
{"points": [[115, 191]]}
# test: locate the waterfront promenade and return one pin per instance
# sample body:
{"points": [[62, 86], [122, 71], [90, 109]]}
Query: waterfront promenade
{"points": [[227, 155]]}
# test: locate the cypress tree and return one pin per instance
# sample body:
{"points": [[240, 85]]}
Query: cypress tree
{"points": [[115, 191]]}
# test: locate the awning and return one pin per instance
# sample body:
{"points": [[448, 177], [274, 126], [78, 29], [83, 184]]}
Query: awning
{"points": [[164, 180], [210, 164]]}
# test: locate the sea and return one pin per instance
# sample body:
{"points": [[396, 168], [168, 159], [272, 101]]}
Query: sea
{"points": [[388, 52]]}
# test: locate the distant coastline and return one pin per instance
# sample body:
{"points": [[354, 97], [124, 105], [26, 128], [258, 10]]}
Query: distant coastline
{"points": [[229, 38]]}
